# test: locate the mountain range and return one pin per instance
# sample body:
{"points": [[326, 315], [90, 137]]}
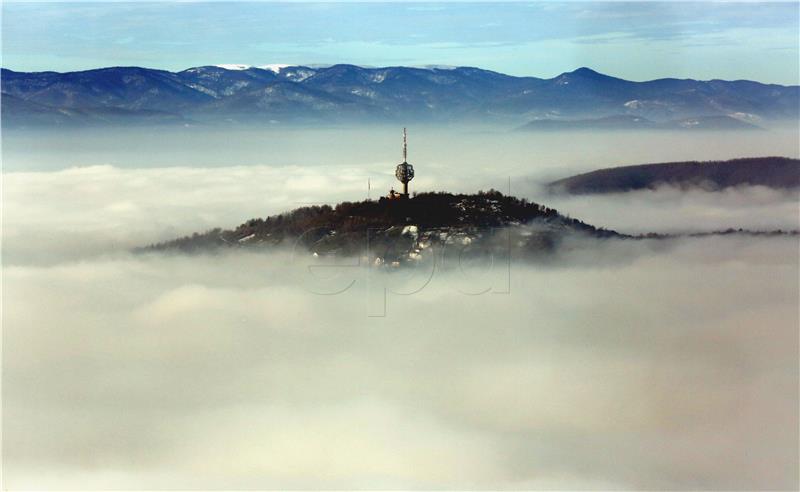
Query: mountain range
{"points": [[349, 93]]}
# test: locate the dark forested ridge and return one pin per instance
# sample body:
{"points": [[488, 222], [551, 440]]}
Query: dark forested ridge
{"points": [[773, 172], [349, 93], [402, 229]]}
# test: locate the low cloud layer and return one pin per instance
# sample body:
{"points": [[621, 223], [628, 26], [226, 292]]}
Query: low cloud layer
{"points": [[84, 211], [674, 210], [675, 371], [635, 365]]}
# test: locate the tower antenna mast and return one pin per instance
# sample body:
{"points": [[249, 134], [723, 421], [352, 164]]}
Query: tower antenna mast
{"points": [[405, 146]]}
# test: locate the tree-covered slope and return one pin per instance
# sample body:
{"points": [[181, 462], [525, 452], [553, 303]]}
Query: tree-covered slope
{"points": [[773, 172]]}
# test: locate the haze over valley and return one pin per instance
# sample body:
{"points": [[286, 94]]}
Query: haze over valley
{"points": [[511, 373], [469, 369]]}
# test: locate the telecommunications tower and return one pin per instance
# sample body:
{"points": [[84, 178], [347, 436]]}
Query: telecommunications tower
{"points": [[405, 171]]}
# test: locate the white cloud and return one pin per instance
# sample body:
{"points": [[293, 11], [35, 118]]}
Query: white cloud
{"points": [[144, 369], [636, 365]]}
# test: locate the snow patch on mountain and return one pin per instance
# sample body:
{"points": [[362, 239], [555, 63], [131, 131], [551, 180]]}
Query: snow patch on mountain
{"points": [[233, 66], [275, 67], [297, 74]]}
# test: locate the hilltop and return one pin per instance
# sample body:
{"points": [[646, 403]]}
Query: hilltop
{"points": [[404, 230]]}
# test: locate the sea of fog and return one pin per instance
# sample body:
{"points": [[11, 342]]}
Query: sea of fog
{"points": [[628, 365]]}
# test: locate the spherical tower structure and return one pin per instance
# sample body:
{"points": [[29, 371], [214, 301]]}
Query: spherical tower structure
{"points": [[405, 171]]}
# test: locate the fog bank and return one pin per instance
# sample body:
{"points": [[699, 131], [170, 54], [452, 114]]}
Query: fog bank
{"points": [[674, 371], [457, 151], [627, 365], [85, 211], [673, 210]]}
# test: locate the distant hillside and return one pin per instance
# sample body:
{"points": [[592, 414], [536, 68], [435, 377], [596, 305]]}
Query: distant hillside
{"points": [[773, 172], [630, 122], [348, 93], [404, 231], [25, 113]]}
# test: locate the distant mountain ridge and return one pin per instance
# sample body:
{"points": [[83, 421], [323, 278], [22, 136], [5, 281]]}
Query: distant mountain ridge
{"points": [[285, 94], [631, 122]]}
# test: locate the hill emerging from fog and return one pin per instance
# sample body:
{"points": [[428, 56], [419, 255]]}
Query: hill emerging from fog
{"points": [[773, 172], [397, 232], [278, 94]]}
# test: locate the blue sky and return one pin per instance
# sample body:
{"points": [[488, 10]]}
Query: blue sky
{"points": [[633, 40]]}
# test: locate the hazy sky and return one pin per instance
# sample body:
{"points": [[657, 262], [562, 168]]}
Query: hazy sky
{"points": [[639, 41]]}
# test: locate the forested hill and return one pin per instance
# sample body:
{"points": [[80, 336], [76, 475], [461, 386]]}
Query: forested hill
{"points": [[773, 172], [403, 230]]}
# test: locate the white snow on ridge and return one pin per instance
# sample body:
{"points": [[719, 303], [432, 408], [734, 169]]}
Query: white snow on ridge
{"points": [[233, 66], [275, 67]]}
